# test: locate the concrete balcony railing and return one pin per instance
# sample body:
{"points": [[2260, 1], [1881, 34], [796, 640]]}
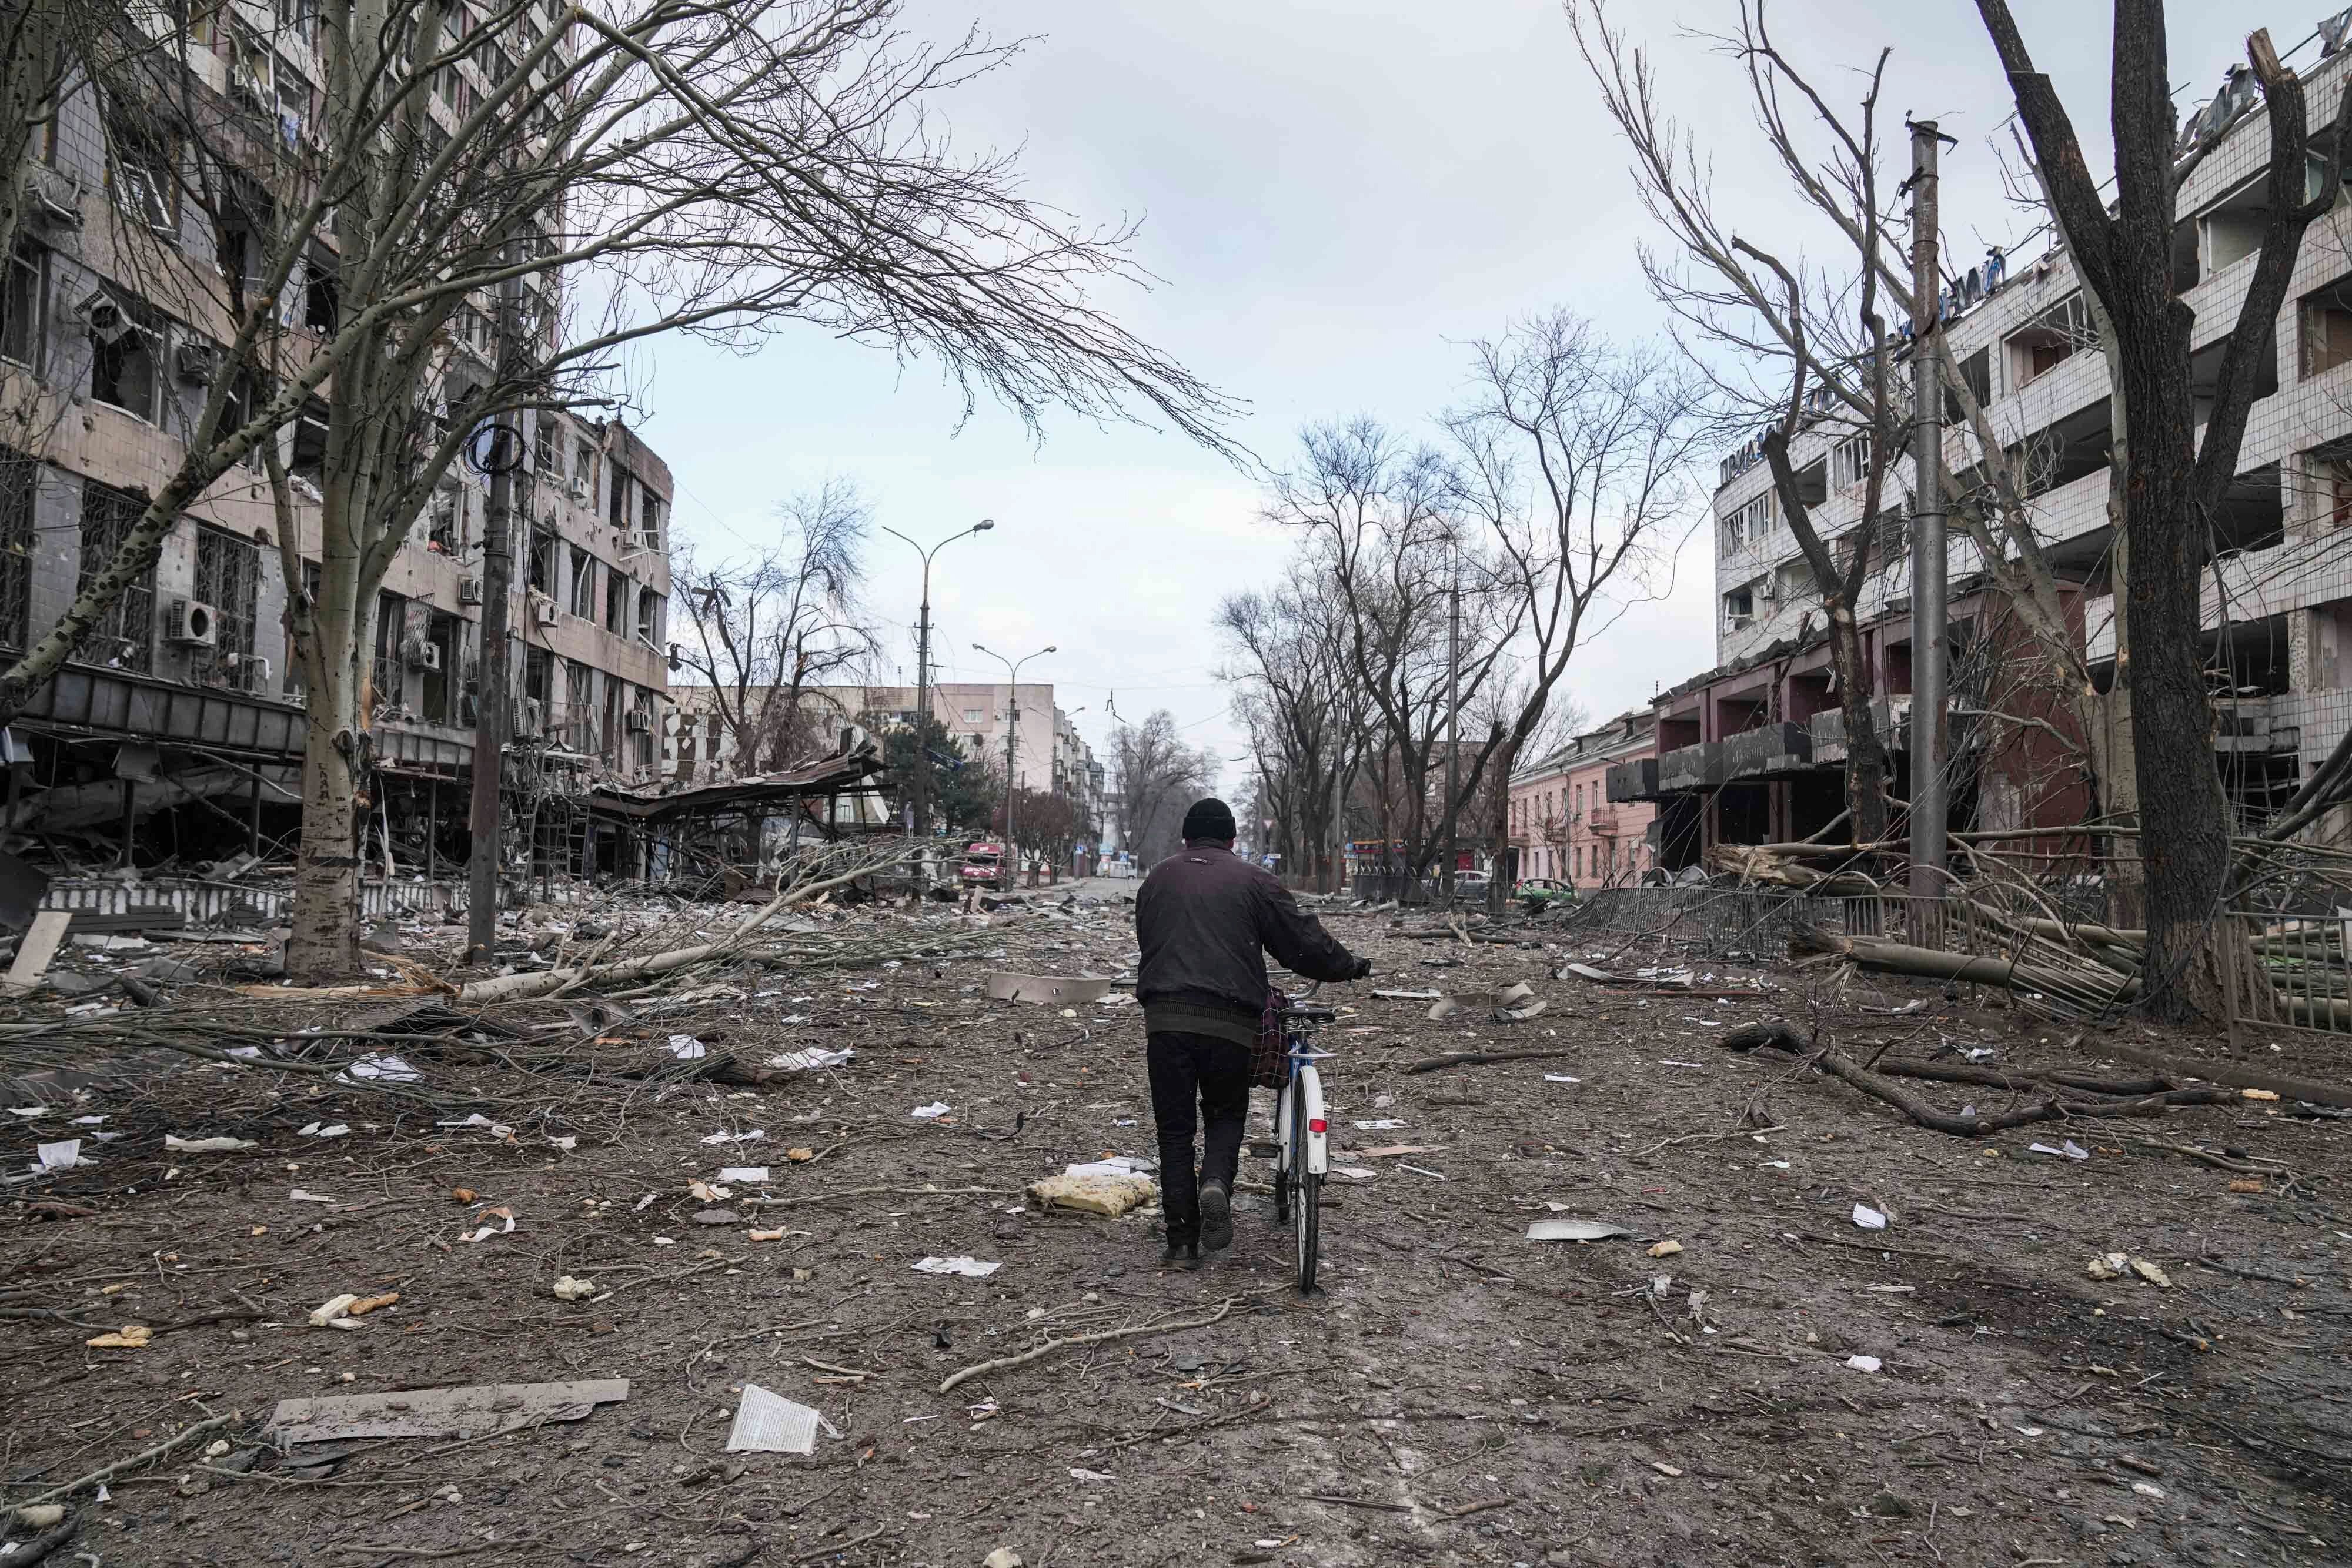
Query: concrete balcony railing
{"points": [[1634, 781], [1768, 751], [1890, 717], [1691, 767]]}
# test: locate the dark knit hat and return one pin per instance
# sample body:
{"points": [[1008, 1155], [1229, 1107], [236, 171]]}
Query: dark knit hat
{"points": [[1210, 819]]}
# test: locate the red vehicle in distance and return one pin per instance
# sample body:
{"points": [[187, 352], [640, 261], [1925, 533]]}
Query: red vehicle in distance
{"points": [[983, 866]]}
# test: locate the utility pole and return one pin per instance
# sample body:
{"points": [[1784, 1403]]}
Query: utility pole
{"points": [[1930, 797], [1452, 724], [491, 694], [1012, 731]]}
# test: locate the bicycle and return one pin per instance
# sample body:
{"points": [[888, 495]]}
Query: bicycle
{"points": [[1302, 1141]]}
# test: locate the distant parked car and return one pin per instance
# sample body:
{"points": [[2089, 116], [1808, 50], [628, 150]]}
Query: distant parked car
{"points": [[1540, 892], [1470, 886], [983, 866]]}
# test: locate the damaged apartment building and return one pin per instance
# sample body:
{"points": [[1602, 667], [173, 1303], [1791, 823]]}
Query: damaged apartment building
{"points": [[176, 735], [1752, 751]]}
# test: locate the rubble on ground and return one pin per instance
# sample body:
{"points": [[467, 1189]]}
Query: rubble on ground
{"points": [[1594, 1282]]}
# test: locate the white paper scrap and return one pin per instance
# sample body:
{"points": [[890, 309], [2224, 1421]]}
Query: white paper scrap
{"points": [[768, 1422], [1863, 1363], [933, 1111], [970, 1268], [751, 1173], [1868, 1217]]}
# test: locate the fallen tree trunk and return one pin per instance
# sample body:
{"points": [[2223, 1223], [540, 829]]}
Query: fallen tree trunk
{"points": [[2093, 991], [1780, 1036], [1993, 1078]]}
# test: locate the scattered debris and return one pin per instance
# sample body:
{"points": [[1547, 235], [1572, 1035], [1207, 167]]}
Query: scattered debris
{"points": [[38, 948], [767, 1423], [569, 1289], [970, 1268], [1869, 1219], [1665, 1249], [2120, 1265], [474, 1410], [1107, 1193], [130, 1336], [932, 1111], [1863, 1362], [175, 1145], [1575, 1230], [1005, 986]]}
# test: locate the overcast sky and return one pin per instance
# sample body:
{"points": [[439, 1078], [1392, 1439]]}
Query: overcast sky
{"points": [[1337, 196]]}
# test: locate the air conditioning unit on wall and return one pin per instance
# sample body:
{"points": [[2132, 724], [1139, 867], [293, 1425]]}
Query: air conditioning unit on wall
{"points": [[195, 624], [543, 613], [469, 590], [640, 722]]}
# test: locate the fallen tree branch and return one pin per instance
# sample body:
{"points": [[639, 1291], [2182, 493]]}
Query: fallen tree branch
{"points": [[1039, 1353], [1482, 1058], [1779, 1036], [108, 1472]]}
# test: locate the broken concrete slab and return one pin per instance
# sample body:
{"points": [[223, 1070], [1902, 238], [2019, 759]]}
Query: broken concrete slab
{"points": [[39, 946], [474, 1410], [1007, 986]]}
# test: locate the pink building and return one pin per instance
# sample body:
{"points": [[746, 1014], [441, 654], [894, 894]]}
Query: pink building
{"points": [[1562, 823]]}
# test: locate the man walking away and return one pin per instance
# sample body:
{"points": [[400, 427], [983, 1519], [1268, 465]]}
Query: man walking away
{"points": [[1205, 918]]}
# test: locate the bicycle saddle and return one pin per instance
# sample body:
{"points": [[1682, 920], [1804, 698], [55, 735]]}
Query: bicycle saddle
{"points": [[1310, 1014]]}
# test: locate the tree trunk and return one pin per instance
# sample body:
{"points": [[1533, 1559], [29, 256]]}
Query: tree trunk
{"points": [[2171, 715], [1866, 753], [324, 944]]}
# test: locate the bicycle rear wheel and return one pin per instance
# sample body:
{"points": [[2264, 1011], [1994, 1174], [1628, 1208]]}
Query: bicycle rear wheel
{"points": [[1285, 1155]]}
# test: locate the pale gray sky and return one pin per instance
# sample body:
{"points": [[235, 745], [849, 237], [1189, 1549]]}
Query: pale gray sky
{"points": [[1337, 195]]}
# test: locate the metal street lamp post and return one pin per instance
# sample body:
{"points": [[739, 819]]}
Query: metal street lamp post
{"points": [[1012, 731], [920, 826]]}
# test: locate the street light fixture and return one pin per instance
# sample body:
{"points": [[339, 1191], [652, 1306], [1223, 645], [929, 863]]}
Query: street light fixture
{"points": [[1012, 729], [921, 824]]}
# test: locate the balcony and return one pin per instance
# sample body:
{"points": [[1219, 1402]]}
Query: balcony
{"points": [[1691, 767], [1768, 751], [1634, 781], [1891, 717]]}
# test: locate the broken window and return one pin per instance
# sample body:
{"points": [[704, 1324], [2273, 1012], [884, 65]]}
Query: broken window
{"points": [[1850, 461], [550, 441], [2328, 326], [2049, 340], [307, 462], [447, 520], [441, 706], [126, 354], [140, 171], [20, 486], [583, 585], [391, 625], [617, 603], [323, 296], [617, 503], [1976, 370], [228, 578], [649, 521], [649, 616], [22, 306], [542, 577], [123, 637], [583, 470], [1739, 607]]}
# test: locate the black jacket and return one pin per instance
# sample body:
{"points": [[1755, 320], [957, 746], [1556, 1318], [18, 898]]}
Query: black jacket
{"points": [[1205, 918]]}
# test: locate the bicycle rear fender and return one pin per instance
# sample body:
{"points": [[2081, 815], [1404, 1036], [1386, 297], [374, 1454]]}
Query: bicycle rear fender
{"points": [[1318, 1144]]}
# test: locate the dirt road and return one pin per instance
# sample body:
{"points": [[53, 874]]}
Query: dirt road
{"points": [[1779, 1385]]}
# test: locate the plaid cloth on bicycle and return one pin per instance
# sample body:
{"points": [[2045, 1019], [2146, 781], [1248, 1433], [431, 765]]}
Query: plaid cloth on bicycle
{"points": [[1267, 1057]]}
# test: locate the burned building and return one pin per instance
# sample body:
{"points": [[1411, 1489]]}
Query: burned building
{"points": [[174, 737]]}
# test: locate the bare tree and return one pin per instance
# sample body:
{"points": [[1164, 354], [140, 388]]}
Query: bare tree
{"points": [[1304, 714], [2171, 481], [760, 632], [1158, 777], [1383, 538], [1574, 455], [723, 172]]}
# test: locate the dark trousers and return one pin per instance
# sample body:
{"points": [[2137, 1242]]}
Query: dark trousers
{"points": [[1217, 1070]]}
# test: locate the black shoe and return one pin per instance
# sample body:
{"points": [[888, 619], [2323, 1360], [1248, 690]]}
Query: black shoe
{"points": [[1180, 1255], [1216, 1217]]}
